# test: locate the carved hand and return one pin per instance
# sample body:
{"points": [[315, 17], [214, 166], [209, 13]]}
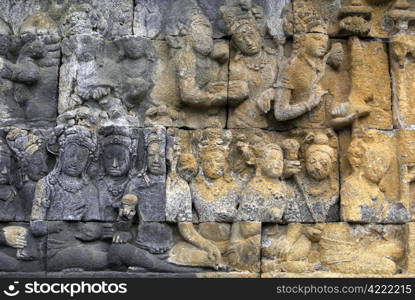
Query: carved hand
{"points": [[15, 236], [291, 167], [213, 252], [238, 91], [265, 99], [283, 249], [121, 237], [408, 176]]}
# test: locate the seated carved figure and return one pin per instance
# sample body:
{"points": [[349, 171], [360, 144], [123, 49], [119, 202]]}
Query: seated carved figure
{"points": [[266, 196], [363, 198], [333, 247], [67, 193], [127, 251], [219, 241]]}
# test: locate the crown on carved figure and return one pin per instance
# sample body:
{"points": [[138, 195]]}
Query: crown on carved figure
{"points": [[307, 20], [4, 148], [213, 139], [119, 135], [79, 135], [234, 18], [23, 142]]}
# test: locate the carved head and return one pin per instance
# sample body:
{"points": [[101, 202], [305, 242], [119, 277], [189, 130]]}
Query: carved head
{"points": [[187, 166], [311, 36], [213, 148], [5, 163], [372, 159], [201, 34], [336, 56], [247, 38], [5, 38], [155, 152], [319, 157], [245, 4], [118, 149], [77, 149], [82, 19], [31, 152], [269, 160]]}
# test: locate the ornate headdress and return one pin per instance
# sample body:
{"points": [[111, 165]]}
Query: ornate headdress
{"points": [[118, 135], [4, 148], [307, 20], [234, 18], [79, 135], [213, 139]]}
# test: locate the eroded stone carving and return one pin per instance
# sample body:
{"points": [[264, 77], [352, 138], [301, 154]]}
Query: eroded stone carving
{"points": [[334, 248], [364, 195]]}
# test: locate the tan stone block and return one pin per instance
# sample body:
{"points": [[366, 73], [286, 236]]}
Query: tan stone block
{"points": [[332, 250]]}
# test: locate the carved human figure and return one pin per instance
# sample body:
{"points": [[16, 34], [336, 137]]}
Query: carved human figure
{"points": [[10, 111], [118, 153], [127, 249], [253, 69], [10, 204], [266, 196], [317, 187], [298, 89], [363, 199], [32, 157], [332, 247], [201, 67], [215, 242], [67, 193], [38, 62], [16, 247]]}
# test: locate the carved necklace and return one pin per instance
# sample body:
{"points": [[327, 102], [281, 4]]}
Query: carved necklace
{"points": [[72, 186], [257, 62], [115, 189]]}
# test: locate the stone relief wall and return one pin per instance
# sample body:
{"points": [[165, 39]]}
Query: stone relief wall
{"points": [[195, 138]]}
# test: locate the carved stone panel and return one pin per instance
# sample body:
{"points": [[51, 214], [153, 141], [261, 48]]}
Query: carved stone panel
{"points": [[336, 249], [20, 249]]}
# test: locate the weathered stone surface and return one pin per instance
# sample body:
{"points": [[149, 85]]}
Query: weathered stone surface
{"points": [[335, 248], [157, 19], [375, 187], [20, 250]]}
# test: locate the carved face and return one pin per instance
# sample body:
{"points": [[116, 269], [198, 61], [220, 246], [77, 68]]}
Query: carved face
{"points": [[273, 163], [37, 167], [245, 4], [315, 44], [187, 167], [5, 167], [202, 37], [213, 164], [155, 159], [318, 164], [375, 164], [116, 160], [75, 159], [247, 39]]}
